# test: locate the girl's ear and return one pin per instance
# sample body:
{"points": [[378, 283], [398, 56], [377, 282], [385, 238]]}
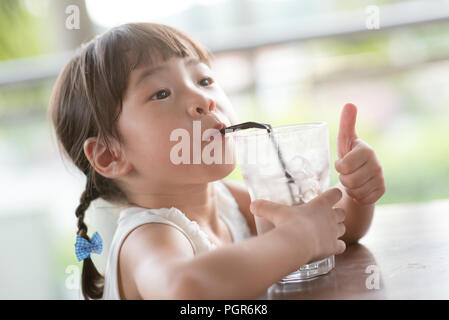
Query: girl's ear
{"points": [[109, 163]]}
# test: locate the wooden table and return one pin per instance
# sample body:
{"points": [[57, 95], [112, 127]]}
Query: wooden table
{"points": [[404, 255]]}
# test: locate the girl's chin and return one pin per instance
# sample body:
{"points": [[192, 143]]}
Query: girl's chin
{"points": [[212, 172], [202, 172], [219, 171]]}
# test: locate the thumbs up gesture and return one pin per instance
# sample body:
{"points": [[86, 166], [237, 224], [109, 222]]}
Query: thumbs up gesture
{"points": [[360, 170]]}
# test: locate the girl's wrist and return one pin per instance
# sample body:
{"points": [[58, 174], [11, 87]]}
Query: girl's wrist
{"points": [[303, 240]]}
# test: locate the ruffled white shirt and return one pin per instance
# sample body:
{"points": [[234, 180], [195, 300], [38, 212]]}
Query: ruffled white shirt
{"points": [[133, 217]]}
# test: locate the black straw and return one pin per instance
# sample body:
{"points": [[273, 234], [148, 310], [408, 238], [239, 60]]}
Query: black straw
{"points": [[259, 125], [246, 125]]}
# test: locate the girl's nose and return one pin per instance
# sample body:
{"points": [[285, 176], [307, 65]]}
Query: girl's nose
{"points": [[202, 109]]}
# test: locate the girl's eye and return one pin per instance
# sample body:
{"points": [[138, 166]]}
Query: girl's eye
{"points": [[206, 82], [162, 94]]}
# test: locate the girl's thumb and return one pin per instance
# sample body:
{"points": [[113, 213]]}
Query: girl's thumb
{"points": [[267, 209], [346, 132]]}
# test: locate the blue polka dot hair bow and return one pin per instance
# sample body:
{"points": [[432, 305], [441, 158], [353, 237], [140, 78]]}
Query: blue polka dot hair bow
{"points": [[84, 248]]}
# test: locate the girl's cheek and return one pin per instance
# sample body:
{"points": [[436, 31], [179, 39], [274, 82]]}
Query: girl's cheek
{"points": [[231, 115], [228, 109]]}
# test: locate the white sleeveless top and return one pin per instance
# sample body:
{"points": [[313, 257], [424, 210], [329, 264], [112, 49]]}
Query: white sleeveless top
{"points": [[133, 217]]}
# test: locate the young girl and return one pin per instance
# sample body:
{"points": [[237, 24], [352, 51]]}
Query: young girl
{"points": [[186, 233]]}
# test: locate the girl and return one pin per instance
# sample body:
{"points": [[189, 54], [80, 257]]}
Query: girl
{"points": [[185, 233]]}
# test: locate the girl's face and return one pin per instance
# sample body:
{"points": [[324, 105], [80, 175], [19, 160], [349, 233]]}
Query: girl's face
{"points": [[166, 96]]}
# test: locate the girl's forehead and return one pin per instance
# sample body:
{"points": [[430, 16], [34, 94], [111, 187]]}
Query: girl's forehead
{"points": [[173, 59], [159, 65]]}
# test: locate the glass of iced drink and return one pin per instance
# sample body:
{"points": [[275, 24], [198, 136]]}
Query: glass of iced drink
{"points": [[289, 165]]}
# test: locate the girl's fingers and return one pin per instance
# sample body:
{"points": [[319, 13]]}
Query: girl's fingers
{"points": [[339, 215], [359, 177], [372, 197], [354, 159], [272, 211], [329, 197], [365, 190], [341, 229], [341, 246]]}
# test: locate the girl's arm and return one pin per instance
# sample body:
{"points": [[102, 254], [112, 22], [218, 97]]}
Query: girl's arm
{"points": [[358, 217], [241, 270], [244, 270], [241, 195], [361, 178], [161, 263]]}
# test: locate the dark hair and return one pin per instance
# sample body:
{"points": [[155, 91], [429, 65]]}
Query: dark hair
{"points": [[87, 101]]}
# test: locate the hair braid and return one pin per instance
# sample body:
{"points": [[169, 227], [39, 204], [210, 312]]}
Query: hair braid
{"points": [[88, 195], [92, 281]]}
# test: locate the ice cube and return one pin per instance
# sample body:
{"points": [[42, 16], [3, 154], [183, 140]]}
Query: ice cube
{"points": [[309, 189], [318, 158], [300, 168]]}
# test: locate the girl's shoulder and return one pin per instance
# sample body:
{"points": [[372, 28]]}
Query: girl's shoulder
{"points": [[243, 199], [153, 246]]}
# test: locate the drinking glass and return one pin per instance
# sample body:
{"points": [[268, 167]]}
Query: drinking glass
{"points": [[290, 166]]}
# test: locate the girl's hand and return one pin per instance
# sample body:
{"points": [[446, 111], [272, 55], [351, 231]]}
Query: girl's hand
{"points": [[360, 170], [322, 223]]}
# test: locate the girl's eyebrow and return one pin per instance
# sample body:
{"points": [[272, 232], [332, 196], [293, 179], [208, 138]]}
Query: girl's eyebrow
{"points": [[148, 72], [151, 71], [193, 61]]}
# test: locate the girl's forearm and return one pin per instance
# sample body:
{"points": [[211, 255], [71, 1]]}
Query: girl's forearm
{"points": [[246, 269], [357, 219]]}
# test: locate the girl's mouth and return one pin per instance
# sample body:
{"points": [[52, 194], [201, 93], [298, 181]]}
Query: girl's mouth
{"points": [[215, 134]]}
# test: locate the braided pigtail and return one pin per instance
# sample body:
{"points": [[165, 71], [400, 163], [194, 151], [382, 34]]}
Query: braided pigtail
{"points": [[92, 282]]}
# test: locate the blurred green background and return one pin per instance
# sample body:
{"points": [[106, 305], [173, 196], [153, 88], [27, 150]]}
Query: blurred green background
{"points": [[280, 62]]}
